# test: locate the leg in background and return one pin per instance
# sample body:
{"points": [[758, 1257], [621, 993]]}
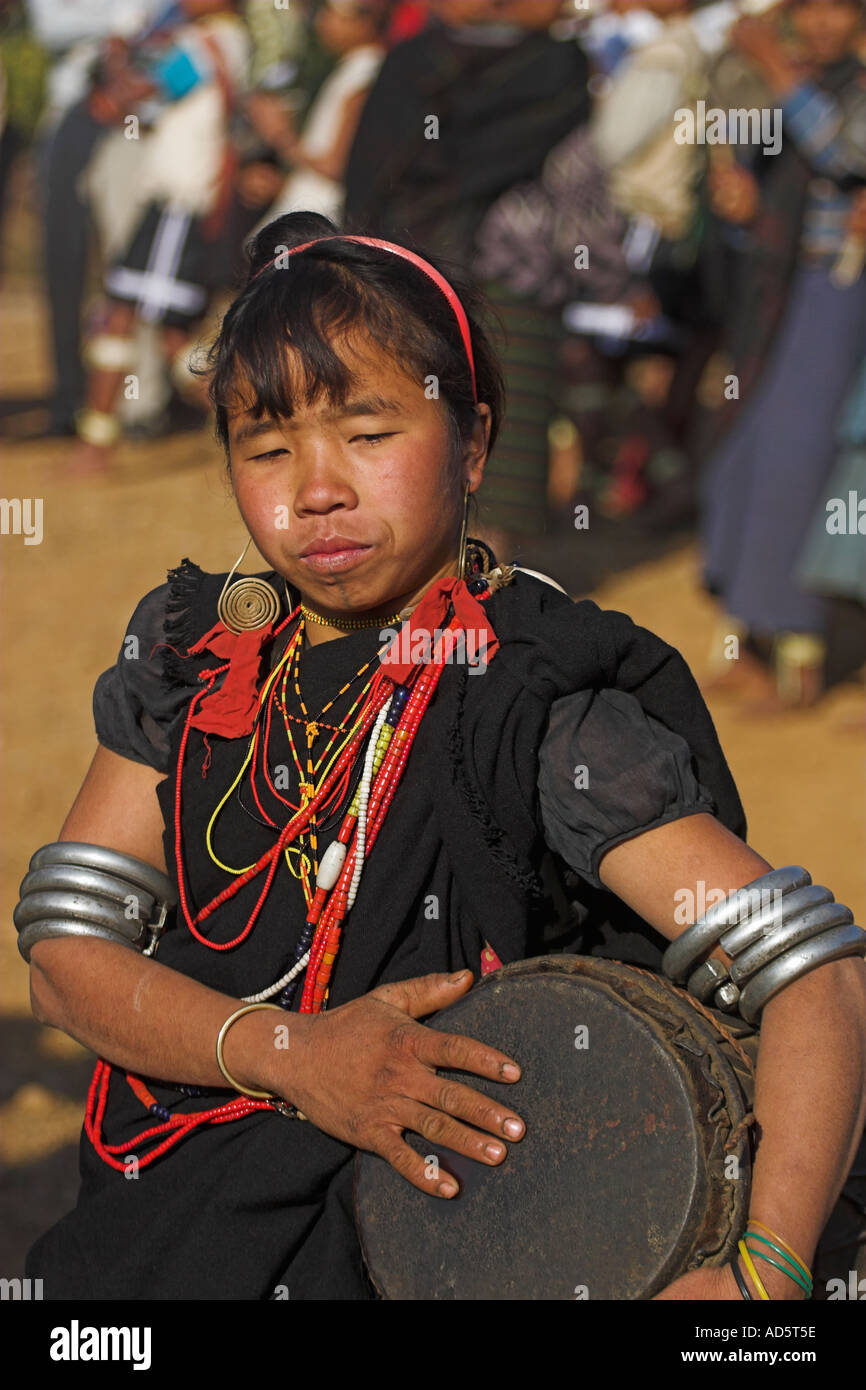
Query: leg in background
{"points": [[110, 357], [66, 240]]}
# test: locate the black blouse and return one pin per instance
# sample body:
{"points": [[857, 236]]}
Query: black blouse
{"points": [[607, 770], [585, 730]]}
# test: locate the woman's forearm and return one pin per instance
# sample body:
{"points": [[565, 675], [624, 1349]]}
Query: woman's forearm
{"points": [[150, 1019], [809, 1095], [809, 1104]]}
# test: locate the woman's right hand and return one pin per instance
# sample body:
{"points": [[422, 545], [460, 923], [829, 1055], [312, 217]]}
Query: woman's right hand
{"points": [[366, 1071]]}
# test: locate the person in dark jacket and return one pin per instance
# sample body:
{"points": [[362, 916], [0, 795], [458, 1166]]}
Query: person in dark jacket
{"points": [[457, 115]]}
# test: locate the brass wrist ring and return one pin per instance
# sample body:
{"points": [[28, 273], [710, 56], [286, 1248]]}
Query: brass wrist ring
{"points": [[233, 1018]]}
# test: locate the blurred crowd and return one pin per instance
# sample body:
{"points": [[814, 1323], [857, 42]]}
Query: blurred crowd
{"points": [[665, 203]]}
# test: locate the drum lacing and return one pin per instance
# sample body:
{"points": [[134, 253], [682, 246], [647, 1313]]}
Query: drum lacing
{"points": [[737, 1132], [750, 1117], [696, 1004]]}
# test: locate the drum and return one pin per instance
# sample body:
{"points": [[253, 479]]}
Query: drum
{"points": [[635, 1165]]}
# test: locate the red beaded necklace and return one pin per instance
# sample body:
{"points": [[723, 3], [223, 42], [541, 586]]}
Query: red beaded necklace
{"points": [[260, 746], [395, 704]]}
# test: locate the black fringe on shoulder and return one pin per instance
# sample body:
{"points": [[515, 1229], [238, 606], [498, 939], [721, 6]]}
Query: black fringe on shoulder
{"points": [[501, 850], [185, 582]]}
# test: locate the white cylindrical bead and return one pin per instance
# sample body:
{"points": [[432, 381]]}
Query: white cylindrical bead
{"points": [[332, 862]]}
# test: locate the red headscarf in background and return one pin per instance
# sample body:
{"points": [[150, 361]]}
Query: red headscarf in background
{"points": [[409, 18]]}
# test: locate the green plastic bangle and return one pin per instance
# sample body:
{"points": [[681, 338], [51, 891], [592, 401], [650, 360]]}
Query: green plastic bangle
{"points": [[794, 1263], [807, 1288]]}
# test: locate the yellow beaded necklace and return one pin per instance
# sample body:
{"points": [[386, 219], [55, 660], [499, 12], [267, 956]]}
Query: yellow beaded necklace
{"points": [[310, 779]]}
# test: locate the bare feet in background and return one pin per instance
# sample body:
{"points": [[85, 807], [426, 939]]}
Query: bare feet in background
{"points": [[88, 459]]}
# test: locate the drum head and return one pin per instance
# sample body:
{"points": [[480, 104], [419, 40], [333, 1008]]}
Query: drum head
{"points": [[620, 1182]]}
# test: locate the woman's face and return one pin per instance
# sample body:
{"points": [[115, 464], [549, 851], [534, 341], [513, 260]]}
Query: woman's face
{"points": [[358, 507]]}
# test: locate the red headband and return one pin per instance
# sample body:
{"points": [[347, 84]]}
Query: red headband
{"points": [[428, 269]]}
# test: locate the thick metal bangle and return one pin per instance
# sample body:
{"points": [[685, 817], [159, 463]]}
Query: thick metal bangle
{"points": [[710, 982], [685, 953], [48, 927], [109, 861], [233, 1018], [76, 889], [75, 880], [704, 981], [727, 997], [773, 915], [831, 945], [801, 928], [77, 907]]}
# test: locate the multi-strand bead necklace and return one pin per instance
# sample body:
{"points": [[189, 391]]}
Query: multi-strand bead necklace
{"points": [[272, 698], [386, 715]]}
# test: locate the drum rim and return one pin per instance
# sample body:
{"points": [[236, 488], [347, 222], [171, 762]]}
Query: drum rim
{"points": [[609, 976]]}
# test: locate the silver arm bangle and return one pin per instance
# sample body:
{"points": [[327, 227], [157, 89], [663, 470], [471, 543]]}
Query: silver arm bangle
{"points": [[704, 982], [109, 861], [47, 927], [773, 915], [79, 907], [831, 945], [75, 889], [710, 982], [79, 880], [684, 954], [802, 928]]}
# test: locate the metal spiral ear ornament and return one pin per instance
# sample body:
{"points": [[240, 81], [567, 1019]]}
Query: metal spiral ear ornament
{"points": [[247, 604]]}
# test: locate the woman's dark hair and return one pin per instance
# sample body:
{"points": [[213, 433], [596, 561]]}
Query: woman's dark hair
{"points": [[330, 290]]}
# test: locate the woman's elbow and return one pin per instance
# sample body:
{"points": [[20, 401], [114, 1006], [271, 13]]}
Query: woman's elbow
{"points": [[43, 999], [848, 984], [831, 996], [46, 997]]}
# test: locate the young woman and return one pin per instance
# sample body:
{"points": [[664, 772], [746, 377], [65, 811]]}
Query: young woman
{"points": [[358, 397]]}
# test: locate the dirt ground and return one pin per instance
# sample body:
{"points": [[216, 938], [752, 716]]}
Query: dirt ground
{"points": [[65, 605]]}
